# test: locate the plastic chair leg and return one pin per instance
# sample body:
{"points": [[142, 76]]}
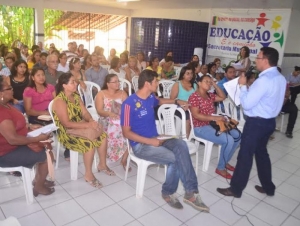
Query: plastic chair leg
{"points": [[27, 182], [207, 155], [140, 180], [127, 167], [74, 164], [281, 124]]}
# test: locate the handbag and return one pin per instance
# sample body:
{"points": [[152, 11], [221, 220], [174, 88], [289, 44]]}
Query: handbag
{"points": [[224, 126], [87, 133], [36, 146]]}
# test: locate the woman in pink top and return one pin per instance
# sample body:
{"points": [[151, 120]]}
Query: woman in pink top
{"points": [[37, 96]]}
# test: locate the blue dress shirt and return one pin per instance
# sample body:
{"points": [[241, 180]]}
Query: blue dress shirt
{"points": [[265, 96]]}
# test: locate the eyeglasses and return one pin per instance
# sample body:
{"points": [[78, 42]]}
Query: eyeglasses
{"points": [[10, 88], [115, 82]]}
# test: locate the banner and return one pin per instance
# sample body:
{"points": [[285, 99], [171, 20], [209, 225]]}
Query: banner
{"points": [[229, 31]]}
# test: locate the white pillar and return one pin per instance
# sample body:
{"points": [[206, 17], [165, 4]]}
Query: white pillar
{"points": [[39, 22]]}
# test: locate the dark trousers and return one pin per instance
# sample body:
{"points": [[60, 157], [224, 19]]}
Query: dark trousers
{"points": [[255, 137], [294, 92], [292, 109]]}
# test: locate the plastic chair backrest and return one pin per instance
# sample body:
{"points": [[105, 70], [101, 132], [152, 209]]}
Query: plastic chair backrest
{"points": [[134, 81], [124, 81], [167, 86], [87, 95], [166, 117]]}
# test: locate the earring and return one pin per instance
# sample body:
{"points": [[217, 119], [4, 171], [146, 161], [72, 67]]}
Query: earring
{"points": [[2, 99]]}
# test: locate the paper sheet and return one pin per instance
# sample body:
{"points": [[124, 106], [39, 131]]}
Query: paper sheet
{"points": [[45, 129], [233, 89], [237, 65]]}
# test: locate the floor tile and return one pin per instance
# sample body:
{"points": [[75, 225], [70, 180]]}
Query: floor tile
{"points": [[37, 218], [205, 219], [289, 191], [268, 213], [94, 201], [2, 217], [11, 191], [78, 187], [137, 207], [296, 212], [159, 217], [291, 221], [223, 210], [246, 202], [117, 194], [213, 184], [19, 207], [255, 221], [8, 179], [154, 194], [294, 180], [291, 159], [65, 212], [207, 197], [289, 167], [59, 196], [149, 182], [134, 223], [112, 215], [282, 202], [87, 220]]}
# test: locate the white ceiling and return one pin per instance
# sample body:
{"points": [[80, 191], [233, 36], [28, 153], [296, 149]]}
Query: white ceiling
{"points": [[191, 4]]}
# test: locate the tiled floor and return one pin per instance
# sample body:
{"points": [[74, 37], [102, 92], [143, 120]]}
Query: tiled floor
{"points": [[78, 204]]}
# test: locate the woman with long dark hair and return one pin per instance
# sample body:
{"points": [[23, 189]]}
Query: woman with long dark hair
{"points": [[244, 60], [37, 96], [18, 80]]}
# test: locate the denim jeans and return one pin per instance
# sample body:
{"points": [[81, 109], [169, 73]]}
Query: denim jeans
{"points": [[20, 106], [175, 154], [228, 142]]}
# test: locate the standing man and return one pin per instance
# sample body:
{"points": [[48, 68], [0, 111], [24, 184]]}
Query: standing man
{"points": [[96, 73], [138, 125], [262, 102]]}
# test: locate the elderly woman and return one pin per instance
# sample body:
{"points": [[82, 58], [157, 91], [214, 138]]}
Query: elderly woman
{"points": [[38, 96], [108, 104], [69, 112], [13, 141], [202, 107]]}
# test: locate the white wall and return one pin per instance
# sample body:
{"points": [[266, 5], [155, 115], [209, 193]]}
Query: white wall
{"points": [[202, 15], [292, 45]]}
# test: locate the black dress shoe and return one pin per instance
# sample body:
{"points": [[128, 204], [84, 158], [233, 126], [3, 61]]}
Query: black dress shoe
{"points": [[289, 134], [227, 192], [261, 190]]}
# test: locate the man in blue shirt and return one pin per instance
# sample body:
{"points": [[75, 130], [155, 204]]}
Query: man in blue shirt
{"points": [[138, 125], [262, 102], [229, 75], [96, 73]]}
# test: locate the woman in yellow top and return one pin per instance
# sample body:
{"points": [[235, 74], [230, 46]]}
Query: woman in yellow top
{"points": [[154, 66], [69, 112]]}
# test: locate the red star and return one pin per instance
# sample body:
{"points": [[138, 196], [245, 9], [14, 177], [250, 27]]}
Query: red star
{"points": [[262, 19]]}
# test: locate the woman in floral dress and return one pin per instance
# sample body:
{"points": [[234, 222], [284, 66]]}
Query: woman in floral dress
{"points": [[108, 104]]}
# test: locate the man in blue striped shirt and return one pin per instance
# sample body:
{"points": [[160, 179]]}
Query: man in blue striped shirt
{"points": [[262, 102]]}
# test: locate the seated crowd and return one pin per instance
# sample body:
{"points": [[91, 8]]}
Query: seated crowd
{"points": [[28, 83]]}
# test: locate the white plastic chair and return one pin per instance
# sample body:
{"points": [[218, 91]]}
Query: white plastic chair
{"points": [[142, 166], [124, 81], [73, 154], [282, 114], [134, 81], [232, 111], [166, 116], [10, 221], [27, 180], [105, 66], [207, 146], [87, 95], [167, 86]]}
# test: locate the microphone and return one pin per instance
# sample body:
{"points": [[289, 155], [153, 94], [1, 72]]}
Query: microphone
{"points": [[249, 72]]}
